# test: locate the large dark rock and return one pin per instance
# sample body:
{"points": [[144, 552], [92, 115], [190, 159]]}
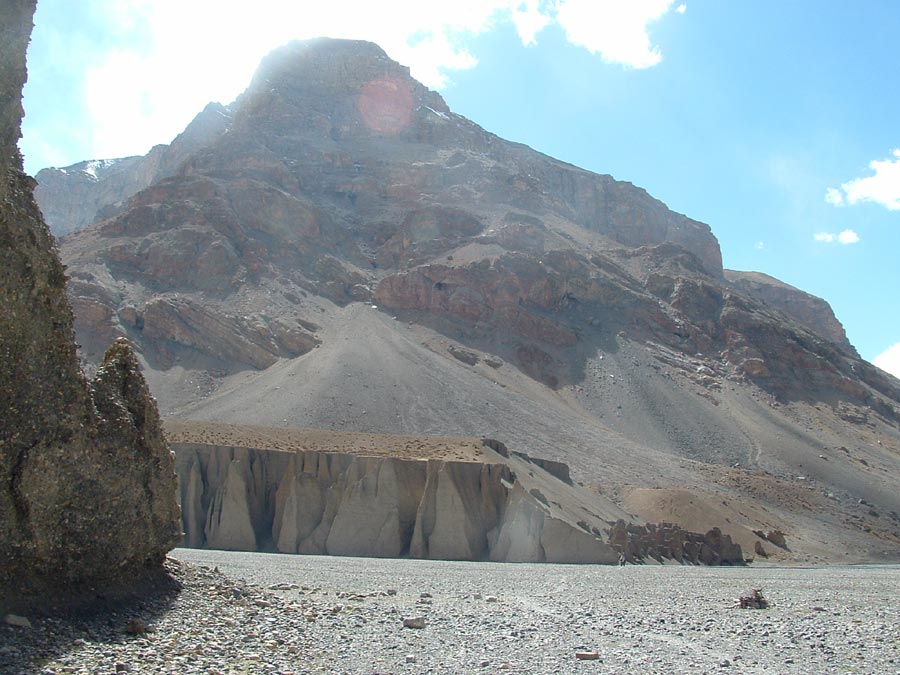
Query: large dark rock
{"points": [[637, 543], [87, 484]]}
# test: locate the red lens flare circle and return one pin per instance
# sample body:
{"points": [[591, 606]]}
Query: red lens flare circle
{"points": [[386, 105]]}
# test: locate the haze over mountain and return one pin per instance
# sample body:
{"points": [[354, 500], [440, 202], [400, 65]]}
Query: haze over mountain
{"points": [[338, 249]]}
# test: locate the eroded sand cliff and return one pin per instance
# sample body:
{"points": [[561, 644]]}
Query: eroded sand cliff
{"points": [[486, 503]]}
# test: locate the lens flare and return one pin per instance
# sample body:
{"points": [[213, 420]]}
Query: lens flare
{"points": [[386, 105]]}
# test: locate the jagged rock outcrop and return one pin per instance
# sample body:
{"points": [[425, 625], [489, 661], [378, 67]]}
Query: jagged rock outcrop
{"points": [[762, 332], [87, 485], [333, 503], [178, 322], [72, 196], [665, 540], [808, 310]]}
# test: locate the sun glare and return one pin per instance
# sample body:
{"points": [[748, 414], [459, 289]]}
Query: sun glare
{"points": [[386, 105]]}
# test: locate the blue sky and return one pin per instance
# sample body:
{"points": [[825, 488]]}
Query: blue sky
{"points": [[774, 122]]}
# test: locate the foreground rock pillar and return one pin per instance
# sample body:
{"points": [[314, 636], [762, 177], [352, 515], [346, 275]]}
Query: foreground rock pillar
{"points": [[87, 481]]}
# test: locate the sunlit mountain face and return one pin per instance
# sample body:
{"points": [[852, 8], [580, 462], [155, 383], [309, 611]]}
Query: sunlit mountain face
{"points": [[339, 249]]}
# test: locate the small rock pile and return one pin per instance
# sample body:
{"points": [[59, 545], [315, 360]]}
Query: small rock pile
{"points": [[753, 599]]}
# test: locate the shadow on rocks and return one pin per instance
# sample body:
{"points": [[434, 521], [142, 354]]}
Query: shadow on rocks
{"points": [[112, 616]]}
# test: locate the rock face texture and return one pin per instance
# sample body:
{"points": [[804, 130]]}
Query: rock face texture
{"points": [[336, 175], [325, 503], [637, 542], [812, 312], [87, 487], [339, 175]]}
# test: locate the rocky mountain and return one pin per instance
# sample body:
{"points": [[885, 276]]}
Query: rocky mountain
{"points": [[75, 196], [349, 253], [87, 483]]}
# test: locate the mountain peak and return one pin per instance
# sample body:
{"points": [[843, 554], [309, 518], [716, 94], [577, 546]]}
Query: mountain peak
{"points": [[302, 66], [323, 59], [349, 81]]}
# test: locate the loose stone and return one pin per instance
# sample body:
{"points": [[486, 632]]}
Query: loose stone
{"points": [[414, 622], [17, 621]]}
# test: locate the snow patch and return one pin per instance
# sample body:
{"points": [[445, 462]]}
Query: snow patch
{"points": [[443, 116], [94, 165]]}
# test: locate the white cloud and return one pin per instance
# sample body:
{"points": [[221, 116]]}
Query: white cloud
{"points": [[170, 57], [682, 8], [848, 237], [206, 50], [615, 30], [889, 360], [760, 245], [881, 188], [844, 237], [834, 197], [529, 20]]}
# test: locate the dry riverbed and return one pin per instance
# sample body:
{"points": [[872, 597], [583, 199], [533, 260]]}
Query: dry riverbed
{"points": [[260, 613]]}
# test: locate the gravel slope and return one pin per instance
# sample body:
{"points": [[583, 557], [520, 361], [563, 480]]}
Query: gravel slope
{"points": [[628, 419], [309, 614]]}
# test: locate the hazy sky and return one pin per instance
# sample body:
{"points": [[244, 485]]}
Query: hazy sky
{"points": [[778, 123]]}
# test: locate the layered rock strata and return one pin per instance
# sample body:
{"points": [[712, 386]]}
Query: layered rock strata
{"points": [[87, 485], [509, 508], [812, 312], [334, 170]]}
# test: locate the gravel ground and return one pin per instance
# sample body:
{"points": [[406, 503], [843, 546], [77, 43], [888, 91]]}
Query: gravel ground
{"points": [[260, 613]]}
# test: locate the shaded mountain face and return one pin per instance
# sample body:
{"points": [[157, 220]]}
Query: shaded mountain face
{"points": [[569, 312]]}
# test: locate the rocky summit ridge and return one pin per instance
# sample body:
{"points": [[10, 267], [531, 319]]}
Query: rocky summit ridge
{"points": [[339, 249]]}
